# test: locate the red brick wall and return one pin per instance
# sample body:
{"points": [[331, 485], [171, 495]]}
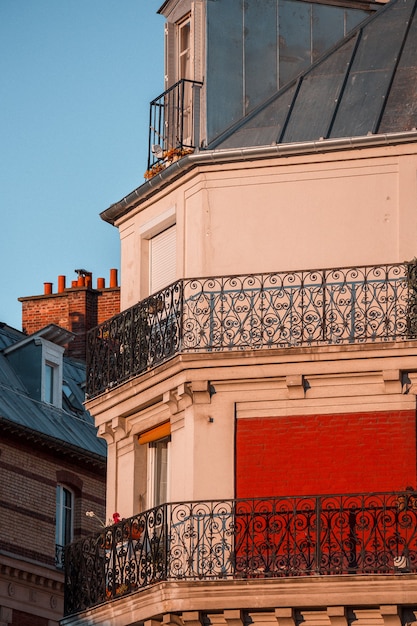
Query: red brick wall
{"points": [[77, 309], [108, 304], [319, 454], [29, 475]]}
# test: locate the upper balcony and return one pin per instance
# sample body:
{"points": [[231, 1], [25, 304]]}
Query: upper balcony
{"points": [[236, 540], [174, 125], [253, 312]]}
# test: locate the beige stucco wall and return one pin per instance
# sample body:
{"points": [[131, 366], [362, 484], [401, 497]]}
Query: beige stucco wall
{"points": [[202, 395], [287, 213]]}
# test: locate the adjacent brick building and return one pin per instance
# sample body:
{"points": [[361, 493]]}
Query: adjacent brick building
{"points": [[77, 308], [52, 466]]}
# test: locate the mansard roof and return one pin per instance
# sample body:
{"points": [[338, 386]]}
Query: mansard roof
{"points": [[366, 84], [68, 430]]}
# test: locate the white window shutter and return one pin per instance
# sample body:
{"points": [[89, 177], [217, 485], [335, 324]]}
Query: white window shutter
{"points": [[163, 256]]}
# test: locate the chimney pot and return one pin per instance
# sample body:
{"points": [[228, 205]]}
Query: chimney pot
{"points": [[61, 284], [88, 280], [81, 281], [74, 283], [113, 277], [47, 289], [101, 283]]}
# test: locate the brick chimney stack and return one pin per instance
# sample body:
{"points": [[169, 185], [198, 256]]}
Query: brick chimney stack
{"points": [[77, 308]]}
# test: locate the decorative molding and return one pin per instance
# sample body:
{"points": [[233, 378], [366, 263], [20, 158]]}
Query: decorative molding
{"points": [[392, 381], [171, 619], [390, 615], [201, 391], [285, 616], [295, 386], [121, 427], [337, 615], [33, 578], [192, 618], [115, 429], [234, 617], [180, 398]]}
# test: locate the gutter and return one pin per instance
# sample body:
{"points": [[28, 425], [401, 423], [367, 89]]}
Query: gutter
{"points": [[231, 155], [53, 443]]}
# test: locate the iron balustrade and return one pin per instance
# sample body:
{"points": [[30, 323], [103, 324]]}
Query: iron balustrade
{"points": [[258, 311], [324, 535], [174, 121], [59, 556]]}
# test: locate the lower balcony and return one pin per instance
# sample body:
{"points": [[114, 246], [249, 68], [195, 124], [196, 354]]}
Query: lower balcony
{"points": [[253, 312], [309, 536]]}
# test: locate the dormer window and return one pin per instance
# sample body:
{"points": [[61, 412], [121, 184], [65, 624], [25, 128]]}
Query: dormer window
{"points": [[49, 383], [39, 360], [52, 373], [184, 48]]}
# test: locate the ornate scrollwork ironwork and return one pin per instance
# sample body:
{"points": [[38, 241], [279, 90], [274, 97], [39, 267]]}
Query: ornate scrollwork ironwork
{"points": [[232, 539], [306, 308]]}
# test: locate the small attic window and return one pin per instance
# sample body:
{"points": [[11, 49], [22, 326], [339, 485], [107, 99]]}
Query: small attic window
{"points": [[50, 374], [70, 399], [51, 381]]}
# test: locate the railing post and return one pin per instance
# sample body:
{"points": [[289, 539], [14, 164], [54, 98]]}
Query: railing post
{"points": [[352, 315], [318, 534], [181, 314], [196, 115], [411, 276], [324, 294], [180, 114], [167, 533]]}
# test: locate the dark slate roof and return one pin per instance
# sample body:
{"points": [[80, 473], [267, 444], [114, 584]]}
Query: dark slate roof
{"points": [[69, 427], [365, 84]]}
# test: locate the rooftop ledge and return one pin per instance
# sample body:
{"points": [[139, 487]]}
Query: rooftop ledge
{"points": [[215, 157]]}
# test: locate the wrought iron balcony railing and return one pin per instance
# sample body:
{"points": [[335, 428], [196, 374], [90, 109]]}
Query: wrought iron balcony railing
{"points": [[307, 308], [174, 123], [241, 539]]}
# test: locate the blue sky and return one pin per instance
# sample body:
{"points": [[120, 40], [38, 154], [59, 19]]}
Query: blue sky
{"points": [[76, 79]]}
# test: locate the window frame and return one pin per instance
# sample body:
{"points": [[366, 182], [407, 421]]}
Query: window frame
{"points": [[183, 54], [156, 494], [166, 263], [64, 527], [52, 357]]}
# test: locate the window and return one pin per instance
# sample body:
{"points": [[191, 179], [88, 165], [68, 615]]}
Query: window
{"points": [[184, 60], [157, 440], [184, 49], [64, 522], [162, 259], [158, 472], [52, 373], [49, 383], [70, 400]]}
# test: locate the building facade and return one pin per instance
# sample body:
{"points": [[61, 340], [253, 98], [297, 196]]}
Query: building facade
{"points": [[257, 392], [52, 470], [78, 308], [52, 466]]}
